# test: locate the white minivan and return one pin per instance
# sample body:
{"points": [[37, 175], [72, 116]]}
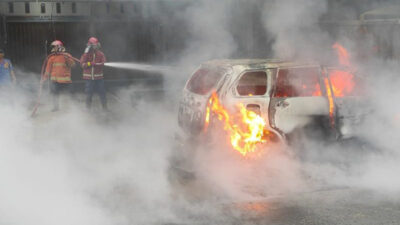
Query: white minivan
{"points": [[289, 96]]}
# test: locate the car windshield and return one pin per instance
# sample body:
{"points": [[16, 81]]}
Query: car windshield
{"points": [[203, 80]]}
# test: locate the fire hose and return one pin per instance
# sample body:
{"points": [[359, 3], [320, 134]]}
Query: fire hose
{"points": [[37, 104]]}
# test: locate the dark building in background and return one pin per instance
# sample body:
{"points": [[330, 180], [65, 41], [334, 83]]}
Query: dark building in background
{"points": [[134, 30], [373, 25], [126, 30], [148, 31]]}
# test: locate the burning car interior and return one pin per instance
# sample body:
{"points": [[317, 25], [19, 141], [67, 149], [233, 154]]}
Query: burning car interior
{"points": [[252, 84]]}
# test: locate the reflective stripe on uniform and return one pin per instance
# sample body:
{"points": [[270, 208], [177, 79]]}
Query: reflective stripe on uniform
{"points": [[86, 75], [61, 78], [59, 64]]}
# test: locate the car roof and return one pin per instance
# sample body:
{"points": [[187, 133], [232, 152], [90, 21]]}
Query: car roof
{"points": [[257, 63]]}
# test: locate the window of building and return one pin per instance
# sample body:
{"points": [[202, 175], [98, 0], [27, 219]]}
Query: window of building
{"points": [[252, 83], [27, 7], [73, 7], [11, 7], [58, 7], [298, 82], [43, 8]]}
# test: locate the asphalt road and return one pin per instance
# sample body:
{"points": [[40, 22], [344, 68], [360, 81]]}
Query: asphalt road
{"points": [[322, 206], [342, 206]]}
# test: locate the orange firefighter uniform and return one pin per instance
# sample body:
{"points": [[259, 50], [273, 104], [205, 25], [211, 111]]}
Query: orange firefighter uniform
{"points": [[59, 68]]}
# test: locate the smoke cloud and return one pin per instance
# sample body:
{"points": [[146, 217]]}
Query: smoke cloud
{"points": [[295, 28], [89, 167]]}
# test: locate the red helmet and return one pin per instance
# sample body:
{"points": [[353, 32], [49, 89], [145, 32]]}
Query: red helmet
{"points": [[93, 41], [57, 43]]}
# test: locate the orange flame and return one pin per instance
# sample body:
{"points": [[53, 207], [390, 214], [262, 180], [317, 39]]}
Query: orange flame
{"points": [[342, 81], [245, 130], [317, 91], [331, 102], [344, 58]]}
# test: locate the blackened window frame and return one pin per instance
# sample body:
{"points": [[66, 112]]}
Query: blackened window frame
{"points": [[27, 7], [10, 7], [287, 87], [58, 8], [256, 84], [42, 7], [73, 7]]}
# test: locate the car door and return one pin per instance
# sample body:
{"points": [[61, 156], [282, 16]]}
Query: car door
{"points": [[349, 97], [298, 98], [252, 89]]}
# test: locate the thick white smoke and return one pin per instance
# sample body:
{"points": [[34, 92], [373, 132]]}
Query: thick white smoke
{"points": [[208, 24], [79, 167], [294, 26], [75, 167]]}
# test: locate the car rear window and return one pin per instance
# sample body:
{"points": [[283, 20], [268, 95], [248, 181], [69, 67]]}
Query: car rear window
{"points": [[203, 80], [298, 82]]}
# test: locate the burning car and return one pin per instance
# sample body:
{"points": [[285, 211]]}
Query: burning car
{"points": [[268, 100]]}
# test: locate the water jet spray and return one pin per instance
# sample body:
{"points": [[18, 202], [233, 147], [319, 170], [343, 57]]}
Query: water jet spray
{"points": [[139, 66]]}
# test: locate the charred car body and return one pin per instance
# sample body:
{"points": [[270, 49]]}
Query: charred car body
{"points": [[289, 96]]}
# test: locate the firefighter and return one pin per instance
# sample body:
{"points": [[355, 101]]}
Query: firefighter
{"points": [[58, 68], [92, 62]]}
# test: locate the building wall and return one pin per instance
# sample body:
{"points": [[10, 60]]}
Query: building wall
{"points": [[122, 28], [18, 8], [82, 8]]}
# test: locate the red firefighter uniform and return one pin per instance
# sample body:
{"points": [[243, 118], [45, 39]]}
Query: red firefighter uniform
{"points": [[59, 68], [92, 63]]}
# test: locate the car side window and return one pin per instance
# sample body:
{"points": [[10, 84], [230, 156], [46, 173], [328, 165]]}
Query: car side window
{"points": [[298, 82], [252, 83]]}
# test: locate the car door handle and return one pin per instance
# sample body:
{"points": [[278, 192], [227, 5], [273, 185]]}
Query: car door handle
{"points": [[282, 104]]}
